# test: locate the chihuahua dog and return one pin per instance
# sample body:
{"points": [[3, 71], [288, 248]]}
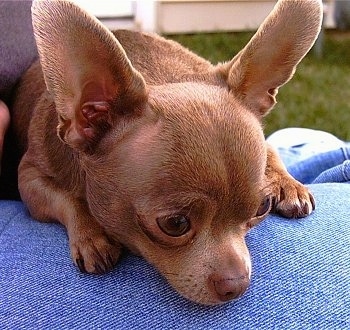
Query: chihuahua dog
{"points": [[130, 140]]}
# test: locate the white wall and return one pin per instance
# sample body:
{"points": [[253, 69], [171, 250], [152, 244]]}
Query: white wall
{"points": [[107, 8], [186, 16]]}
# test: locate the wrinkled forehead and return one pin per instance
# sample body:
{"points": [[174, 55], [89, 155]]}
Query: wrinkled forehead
{"points": [[216, 153], [202, 144]]}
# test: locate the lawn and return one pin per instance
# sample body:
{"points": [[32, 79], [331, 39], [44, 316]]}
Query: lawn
{"points": [[317, 97]]}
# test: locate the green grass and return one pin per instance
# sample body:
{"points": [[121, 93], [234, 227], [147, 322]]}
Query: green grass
{"points": [[317, 97]]}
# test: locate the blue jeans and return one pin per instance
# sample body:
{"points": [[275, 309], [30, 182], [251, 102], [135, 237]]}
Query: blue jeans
{"points": [[313, 156]]}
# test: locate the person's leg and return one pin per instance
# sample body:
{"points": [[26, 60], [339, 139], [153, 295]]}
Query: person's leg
{"points": [[312, 156], [296, 144], [4, 124]]}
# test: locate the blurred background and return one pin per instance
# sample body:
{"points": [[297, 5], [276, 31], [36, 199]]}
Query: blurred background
{"points": [[319, 94]]}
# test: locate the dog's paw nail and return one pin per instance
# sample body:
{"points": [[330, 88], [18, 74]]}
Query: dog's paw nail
{"points": [[80, 263], [96, 255], [313, 203], [100, 269], [110, 262], [308, 206], [296, 209], [306, 209], [293, 200]]}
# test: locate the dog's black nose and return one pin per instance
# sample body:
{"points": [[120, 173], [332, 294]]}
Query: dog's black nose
{"points": [[229, 288]]}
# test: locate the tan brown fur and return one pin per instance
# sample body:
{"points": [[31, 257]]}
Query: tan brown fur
{"points": [[135, 133]]}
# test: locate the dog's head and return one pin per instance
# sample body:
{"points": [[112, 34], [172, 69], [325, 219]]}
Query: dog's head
{"points": [[175, 172]]}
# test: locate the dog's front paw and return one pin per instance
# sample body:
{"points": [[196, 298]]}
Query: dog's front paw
{"points": [[95, 254], [292, 199]]}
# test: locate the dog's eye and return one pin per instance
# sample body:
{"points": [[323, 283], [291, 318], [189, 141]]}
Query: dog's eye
{"points": [[174, 226], [264, 207]]}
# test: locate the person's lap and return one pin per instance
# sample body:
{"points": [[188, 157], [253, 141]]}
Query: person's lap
{"points": [[300, 280]]}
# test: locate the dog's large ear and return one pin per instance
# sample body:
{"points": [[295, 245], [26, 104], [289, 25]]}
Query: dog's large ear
{"points": [[86, 70], [269, 60]]}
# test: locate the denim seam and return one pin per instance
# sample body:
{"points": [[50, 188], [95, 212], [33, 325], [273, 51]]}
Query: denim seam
{"points": [[345, 151], [346, 169]]}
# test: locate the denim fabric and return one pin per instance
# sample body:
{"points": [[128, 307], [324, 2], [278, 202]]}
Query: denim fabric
{"points": [[331, 166], [300, 280], [313, 156]]}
